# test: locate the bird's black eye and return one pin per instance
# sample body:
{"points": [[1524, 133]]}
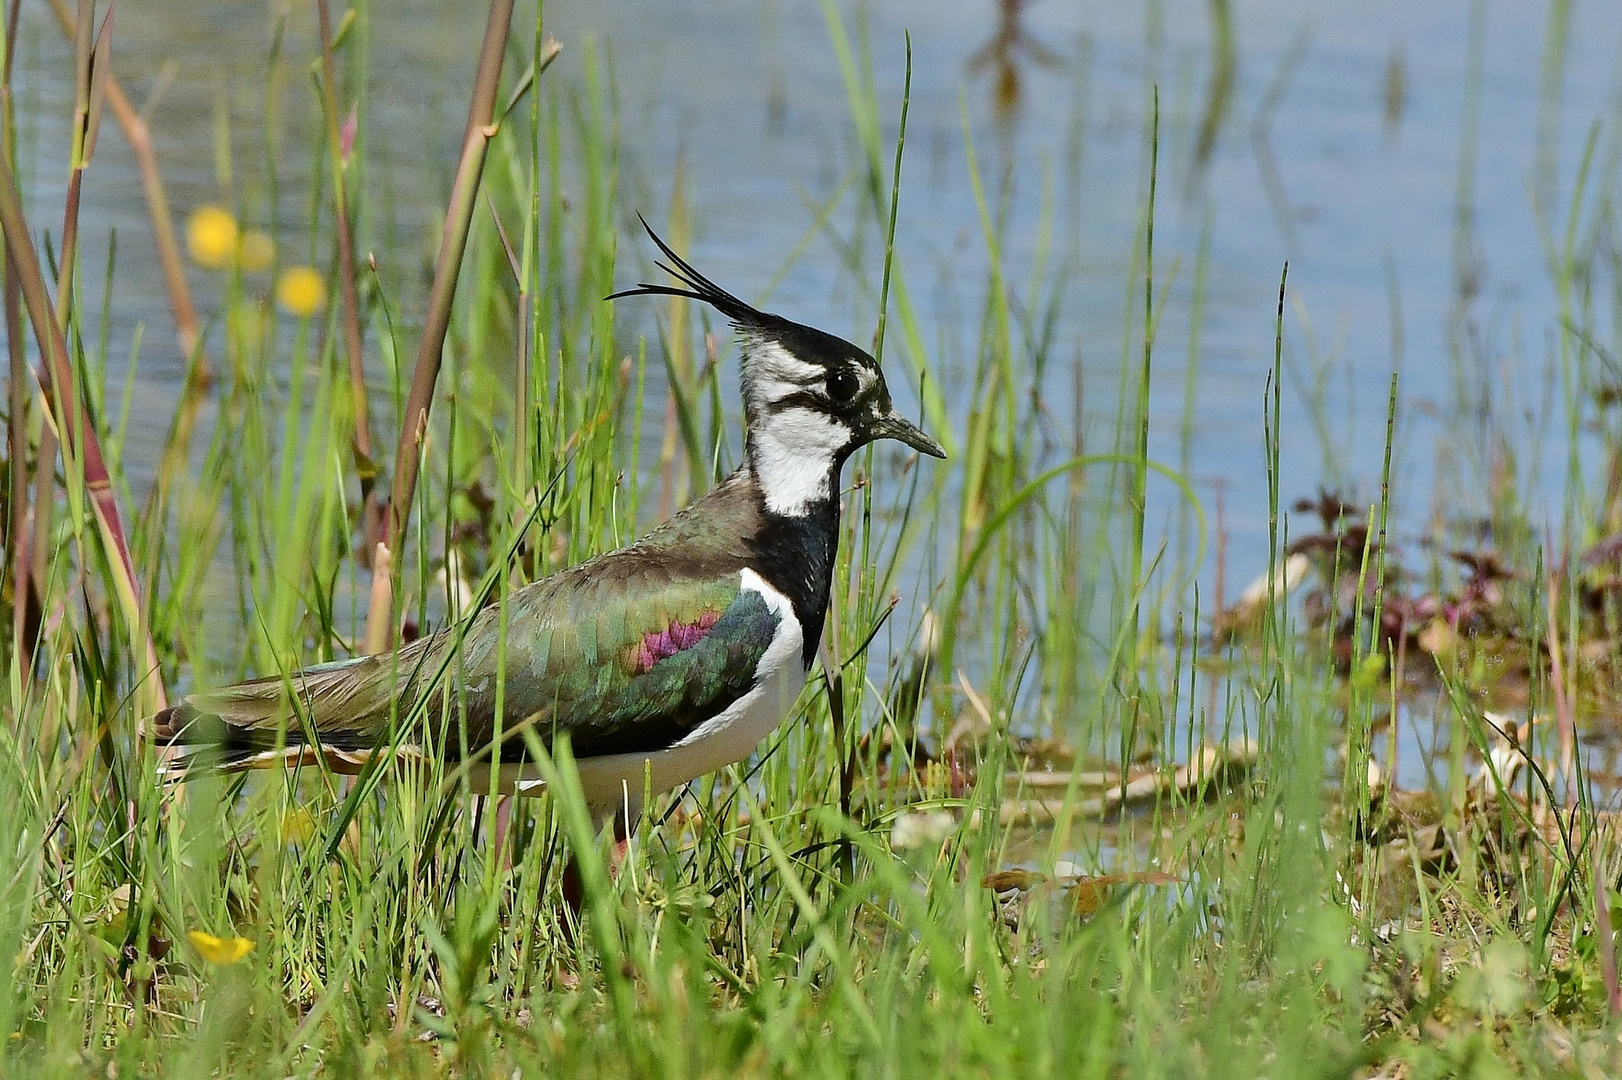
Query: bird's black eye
{"points": [[842, 386]]}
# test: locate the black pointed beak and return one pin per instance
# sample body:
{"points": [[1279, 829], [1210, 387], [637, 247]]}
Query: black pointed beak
{"points": [[892, 425]]}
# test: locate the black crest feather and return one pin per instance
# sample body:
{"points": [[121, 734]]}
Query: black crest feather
{"points": [[699, 287]]}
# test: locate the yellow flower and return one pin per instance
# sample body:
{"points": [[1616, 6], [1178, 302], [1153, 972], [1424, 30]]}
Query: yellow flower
{"points": [[301, 291], [211, 237], [298, 825], [257, 251], [1368, 672], [219, 950]]}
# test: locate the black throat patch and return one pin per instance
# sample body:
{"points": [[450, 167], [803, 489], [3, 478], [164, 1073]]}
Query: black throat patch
{"points": [[796, 557]]}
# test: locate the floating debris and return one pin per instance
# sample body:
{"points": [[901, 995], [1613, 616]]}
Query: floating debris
{"points": [[1245, 614], [1213, 768], [1084, 894]]}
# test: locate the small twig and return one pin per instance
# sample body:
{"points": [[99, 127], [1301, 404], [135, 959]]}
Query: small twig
{"points": [[452, 245], [14, 10], [25, 602], [39, 547], [78, 159]]}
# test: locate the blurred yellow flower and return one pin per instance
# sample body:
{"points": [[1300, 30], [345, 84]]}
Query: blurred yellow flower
{"points": [[297, 826], [211, 237], [219, 950], [257, 251], [301, 291]]}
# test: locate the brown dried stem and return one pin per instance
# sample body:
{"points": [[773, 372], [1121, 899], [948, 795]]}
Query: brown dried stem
{"points": [[25, 605], [24, 596], [1566, 725], [80, 156], [199, 374], [1565, 721], [67, 415], [365, 463], [452, 245], [139, 137], [39, 546]]}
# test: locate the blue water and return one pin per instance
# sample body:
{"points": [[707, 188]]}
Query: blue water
{"points": [[748, 97], [1367, 209]]}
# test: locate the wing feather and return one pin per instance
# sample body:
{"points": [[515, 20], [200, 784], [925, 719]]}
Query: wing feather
{"points": [[628, 652], [620, 670]]}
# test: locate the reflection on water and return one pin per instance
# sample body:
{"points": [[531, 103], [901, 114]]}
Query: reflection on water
{"points": [[1394, 91], [1011, 45], [1219, 93]]}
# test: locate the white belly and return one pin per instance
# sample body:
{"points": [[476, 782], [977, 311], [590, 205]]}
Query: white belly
{"points": [[618, 780]]}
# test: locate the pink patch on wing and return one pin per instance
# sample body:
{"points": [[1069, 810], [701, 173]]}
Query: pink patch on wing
{"points": [[656, 645]]}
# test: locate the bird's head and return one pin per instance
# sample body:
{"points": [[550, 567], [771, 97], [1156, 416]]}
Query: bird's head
{"points": [[809, 398]]}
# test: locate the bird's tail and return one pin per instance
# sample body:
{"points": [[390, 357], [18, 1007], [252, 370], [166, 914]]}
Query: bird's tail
{"points": [[266, 723]]}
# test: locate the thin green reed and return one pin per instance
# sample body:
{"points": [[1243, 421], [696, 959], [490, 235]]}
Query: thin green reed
{"points": [[1372, 656], [532, 339], [860, 576], [862, 100], [1191, 379], [1573, 281], [984, 435], [1256, 906], [1464, 252], [1545, 178], [1130, 679], [895, 206]]}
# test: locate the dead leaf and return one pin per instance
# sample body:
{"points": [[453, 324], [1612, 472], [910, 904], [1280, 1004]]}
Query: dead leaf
{"points": [[1088, 894], [1001, 881]]}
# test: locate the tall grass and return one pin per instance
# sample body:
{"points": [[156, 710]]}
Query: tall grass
{"points": [[818, 910]]}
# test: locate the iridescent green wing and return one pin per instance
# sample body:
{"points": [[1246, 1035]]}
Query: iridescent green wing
{"points": [[629, 652], [626, 659], [626, 656]]}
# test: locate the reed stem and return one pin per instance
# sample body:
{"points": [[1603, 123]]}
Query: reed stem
{"points": [[453, 243]]}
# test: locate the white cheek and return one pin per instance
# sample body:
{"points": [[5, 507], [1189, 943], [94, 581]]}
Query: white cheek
{"points": [[794, 458]]}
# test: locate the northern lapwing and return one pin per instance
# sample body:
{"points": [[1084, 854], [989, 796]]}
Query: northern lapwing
{"points": [[662, 661]]}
